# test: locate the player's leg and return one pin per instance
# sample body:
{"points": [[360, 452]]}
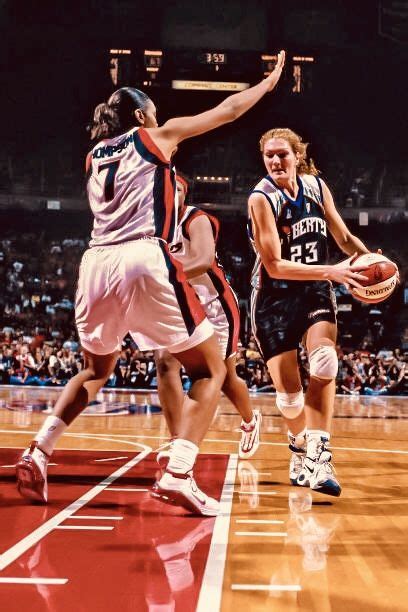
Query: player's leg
{"points": [[189, 336], [237, 392], [223, 313], [318, 471], [170, 389], [285, 375], [31, 469], [204, 365]]}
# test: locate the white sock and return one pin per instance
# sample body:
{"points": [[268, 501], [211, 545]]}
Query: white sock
{"points": [[49, 434], [299, 438], [183, 454]]}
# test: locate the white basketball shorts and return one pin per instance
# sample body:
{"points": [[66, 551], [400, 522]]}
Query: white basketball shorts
{"points": [[137, 287], [223, 314]]}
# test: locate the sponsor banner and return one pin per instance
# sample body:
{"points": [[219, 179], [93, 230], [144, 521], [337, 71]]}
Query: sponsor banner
{"points": [[209, 85]]}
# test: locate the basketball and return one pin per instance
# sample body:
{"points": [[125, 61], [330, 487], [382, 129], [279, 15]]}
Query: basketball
{"points": [[382, 278]]}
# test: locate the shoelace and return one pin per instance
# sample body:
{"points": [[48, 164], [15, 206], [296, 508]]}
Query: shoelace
{"points": [[298, 460]]}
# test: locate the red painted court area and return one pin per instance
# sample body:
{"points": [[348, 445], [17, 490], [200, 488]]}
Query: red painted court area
{"points": [[96, 547]]}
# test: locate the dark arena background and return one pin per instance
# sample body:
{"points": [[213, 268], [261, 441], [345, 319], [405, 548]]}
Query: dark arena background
{"points": [[102, 541]]}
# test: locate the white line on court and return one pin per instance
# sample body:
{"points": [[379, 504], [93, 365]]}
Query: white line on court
{"points": [[269, 534], [211, 587], [266, 587], [86, 527], [35, 536], [110, 459], [95, 517], [259, 521], [218, 440], [255, 492], [125, 489], [8, 466], [11, 580]]}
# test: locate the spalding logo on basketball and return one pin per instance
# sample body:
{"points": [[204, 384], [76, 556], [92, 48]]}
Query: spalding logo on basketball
{"points": [[382, 278]]}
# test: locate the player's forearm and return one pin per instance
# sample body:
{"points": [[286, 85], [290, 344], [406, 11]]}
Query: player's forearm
{"points": [[290, 270], [352, 245], [239, 103]]}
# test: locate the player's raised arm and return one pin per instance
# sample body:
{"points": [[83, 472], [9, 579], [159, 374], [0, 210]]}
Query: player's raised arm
{"points": [[178, 129]]}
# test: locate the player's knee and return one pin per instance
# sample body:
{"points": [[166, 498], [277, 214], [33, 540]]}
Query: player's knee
{"points": [[290, 404], [166, 363], [219, 373], [213, 373], [323, 362]]}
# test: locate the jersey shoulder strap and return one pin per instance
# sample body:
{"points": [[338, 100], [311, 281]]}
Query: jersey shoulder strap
{"points": [[273, 195], [192, 213], [312, 187]]}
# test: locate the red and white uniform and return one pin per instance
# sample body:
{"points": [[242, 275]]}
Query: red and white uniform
{"points": [[131, 190], [214, 291], [128, 281]]}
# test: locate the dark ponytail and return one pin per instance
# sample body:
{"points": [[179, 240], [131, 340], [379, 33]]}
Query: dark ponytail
{"points": [[105, 122], [118, 114]]}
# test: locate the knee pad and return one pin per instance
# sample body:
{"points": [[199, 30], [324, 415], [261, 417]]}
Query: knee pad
{"points": [[290, 404], [323, 362]]}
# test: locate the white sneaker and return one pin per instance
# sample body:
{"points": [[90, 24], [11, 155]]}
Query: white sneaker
{"points": [[31, 472], [163, 458], [318, 472], [297, 459], [249, 442], [181, 490]]}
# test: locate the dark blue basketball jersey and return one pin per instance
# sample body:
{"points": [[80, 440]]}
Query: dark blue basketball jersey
{"points": [[301, 226]]}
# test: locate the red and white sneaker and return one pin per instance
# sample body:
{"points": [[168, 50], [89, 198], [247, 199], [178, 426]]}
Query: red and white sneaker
{"points": [[31, 473], [249, 442], [181, 490]]}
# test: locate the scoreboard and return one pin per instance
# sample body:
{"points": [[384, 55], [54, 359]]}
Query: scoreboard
{"points": [[206, 69]]}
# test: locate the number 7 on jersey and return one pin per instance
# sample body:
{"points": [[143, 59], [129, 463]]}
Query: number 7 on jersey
{"points": [[109, 187]]}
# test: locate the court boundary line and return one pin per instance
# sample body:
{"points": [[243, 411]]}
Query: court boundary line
{"points": [[20, 547], [213, 577]]}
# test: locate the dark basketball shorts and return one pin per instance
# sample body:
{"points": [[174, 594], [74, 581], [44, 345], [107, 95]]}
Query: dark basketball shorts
{"points": [[280, 317]]}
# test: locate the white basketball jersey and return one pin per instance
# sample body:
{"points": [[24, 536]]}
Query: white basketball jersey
{"points": [[131, 190]]}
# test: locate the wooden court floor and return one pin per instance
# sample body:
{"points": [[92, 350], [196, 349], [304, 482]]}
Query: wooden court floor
{"points": [[274, 546]]}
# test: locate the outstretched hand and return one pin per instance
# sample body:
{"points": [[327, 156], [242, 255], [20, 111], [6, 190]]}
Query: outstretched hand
{"points": [[274, 77]]}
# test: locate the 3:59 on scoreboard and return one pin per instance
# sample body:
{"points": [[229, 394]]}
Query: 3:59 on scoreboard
{"points": [[212, 58]]}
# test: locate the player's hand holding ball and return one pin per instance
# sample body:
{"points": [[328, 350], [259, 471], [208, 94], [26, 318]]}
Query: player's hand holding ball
{"points": [[382, 277]]}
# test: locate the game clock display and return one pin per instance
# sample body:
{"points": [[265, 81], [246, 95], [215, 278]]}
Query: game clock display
{"points": [[212, 58]]}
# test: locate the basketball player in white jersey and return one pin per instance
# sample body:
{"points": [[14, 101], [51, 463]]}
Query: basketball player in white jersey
{"points": [[195, 247], [128, 281], [290, 212]]}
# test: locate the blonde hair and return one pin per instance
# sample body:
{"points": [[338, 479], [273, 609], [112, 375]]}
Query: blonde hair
{"points": [[305, 166]]}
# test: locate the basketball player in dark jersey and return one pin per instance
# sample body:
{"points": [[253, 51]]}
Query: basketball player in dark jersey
{"points": [[290, 212]]}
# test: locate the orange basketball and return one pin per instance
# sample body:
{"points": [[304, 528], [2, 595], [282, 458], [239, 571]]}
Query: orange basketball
{"points": [[382, 278]]}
